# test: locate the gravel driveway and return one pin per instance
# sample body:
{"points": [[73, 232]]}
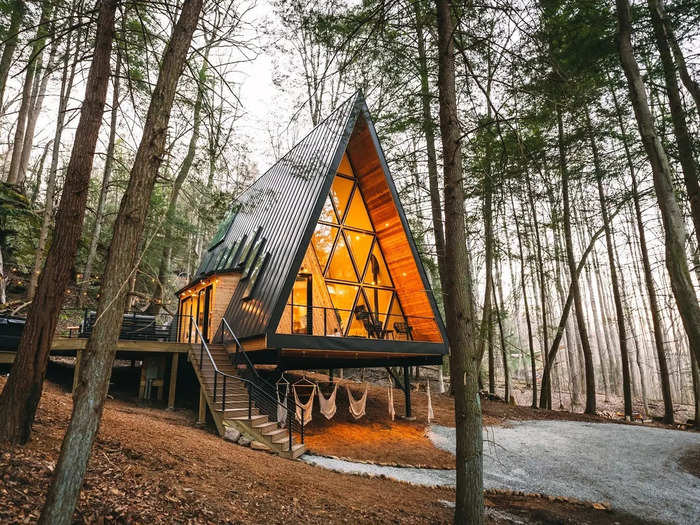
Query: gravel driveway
{"points": [[634, 468]]}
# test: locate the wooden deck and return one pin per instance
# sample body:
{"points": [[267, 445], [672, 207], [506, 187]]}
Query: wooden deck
{"points": [[75, 343]]}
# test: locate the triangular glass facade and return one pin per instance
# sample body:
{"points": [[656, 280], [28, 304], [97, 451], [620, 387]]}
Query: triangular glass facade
{"points": [[363, 301]]}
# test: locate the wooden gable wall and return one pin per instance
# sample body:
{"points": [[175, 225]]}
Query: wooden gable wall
{"points": [[391, 234]]}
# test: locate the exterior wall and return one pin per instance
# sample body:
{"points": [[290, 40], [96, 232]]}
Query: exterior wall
{"points": [[223, 287]]}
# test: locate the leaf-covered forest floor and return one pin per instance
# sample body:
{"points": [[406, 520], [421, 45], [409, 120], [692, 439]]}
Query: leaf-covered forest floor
{"points": [[154, 466]]}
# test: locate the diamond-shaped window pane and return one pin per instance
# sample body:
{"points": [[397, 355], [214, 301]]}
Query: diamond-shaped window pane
{"points": [[377, 273], [322, 240], [379, 302], [357, 214], [345, 167], [328, 213], [340, 192], [360, 246], [343, 297], [341, 266], [359, 323]]}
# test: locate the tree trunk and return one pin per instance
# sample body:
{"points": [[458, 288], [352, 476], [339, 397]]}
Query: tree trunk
{"points": [[22, 391], [98, 356], [690, 84], [621, 331], [504, 350], [39, 174], [166, 254], [680, 126], [530, 342], [8, 51], [658, 331], [67, 77], [541, 277], [13, 176], [106, 177], [578, 306], [571, 344], [461, 322], [36, 103], [674, 227]]}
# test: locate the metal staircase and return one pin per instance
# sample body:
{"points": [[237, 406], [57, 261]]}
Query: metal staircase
{"points": [[246, 404]]}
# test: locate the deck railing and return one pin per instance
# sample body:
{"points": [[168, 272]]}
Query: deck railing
{"points": [[257, 394], [340, 322], [267, 404]]}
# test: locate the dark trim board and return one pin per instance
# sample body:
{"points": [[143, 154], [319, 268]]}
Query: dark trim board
{"points": [[354, 344], [312, 363]]}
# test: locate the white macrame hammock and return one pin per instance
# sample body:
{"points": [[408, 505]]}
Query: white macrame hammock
{"points": [[327, 405], [430, 403], [282, 407], [308, 406], [357, 407]]}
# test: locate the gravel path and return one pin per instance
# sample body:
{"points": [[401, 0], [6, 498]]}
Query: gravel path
{"points": [[634, 468]]}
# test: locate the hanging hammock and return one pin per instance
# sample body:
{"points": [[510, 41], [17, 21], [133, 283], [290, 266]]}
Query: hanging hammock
{"points": [[282, 407], [392, 413], [327, 405], [308, 406], [430, 403], [357, 407], [282, 404]]}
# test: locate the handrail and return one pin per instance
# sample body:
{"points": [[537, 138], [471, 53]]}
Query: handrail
{"points": [[252, 386], [251, 367]]}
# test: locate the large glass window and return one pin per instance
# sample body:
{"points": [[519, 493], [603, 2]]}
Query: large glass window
{"points": [[363, 302]]}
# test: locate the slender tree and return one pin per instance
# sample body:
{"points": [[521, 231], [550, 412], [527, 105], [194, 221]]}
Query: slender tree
{"points": [[461, 322], [674, 227], [20, 397], [98, 357]]}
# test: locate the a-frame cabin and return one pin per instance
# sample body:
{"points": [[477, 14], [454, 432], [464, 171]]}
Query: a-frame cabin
{"points": [[315, 266]]}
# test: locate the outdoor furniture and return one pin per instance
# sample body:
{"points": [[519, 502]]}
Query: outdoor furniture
{"points": [[404, 328], [374, 329]]}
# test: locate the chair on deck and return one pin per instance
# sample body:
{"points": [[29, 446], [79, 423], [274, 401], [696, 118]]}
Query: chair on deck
{"points": [[374, 329], [404, 328]]}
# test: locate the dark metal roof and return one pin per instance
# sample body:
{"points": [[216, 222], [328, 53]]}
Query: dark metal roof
{"points": [[281, 207]]}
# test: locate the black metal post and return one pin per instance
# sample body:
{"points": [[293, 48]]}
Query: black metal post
{"points": [[407, 390], [330, 375], [250, 405], [223, 398], [302, 425], [214, 400]]}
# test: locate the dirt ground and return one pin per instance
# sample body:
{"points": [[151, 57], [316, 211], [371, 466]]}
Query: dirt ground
{"points": [[154, 466], [377, 439]]}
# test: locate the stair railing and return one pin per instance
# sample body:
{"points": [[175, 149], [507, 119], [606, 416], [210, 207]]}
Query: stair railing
{"points": [[255, 391], [291, 407]]}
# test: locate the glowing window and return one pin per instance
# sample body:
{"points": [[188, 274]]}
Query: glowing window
{"points": [[322, 240], [357, 214], [340, 191], [341, 267]]}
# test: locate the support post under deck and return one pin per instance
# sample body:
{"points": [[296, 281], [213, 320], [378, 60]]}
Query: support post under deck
{"points": [[76, 368], [202, 412], [173, 380], [407, 390]]}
